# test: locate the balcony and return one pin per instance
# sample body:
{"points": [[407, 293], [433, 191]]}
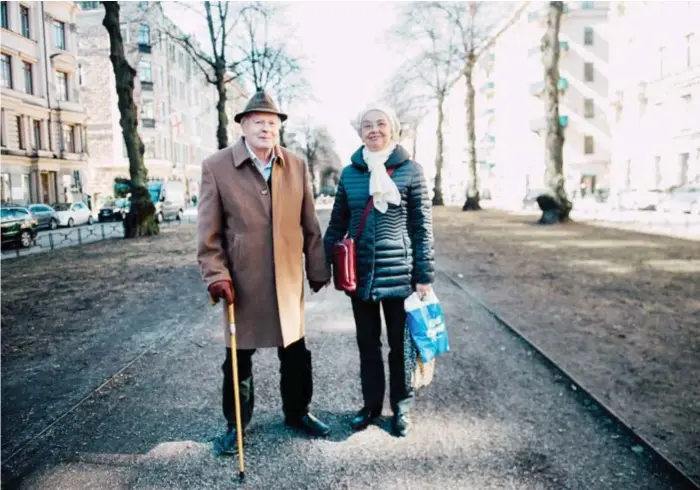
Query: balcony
{"points": [[563, 49], [148, 123], [490, 112], [537, 88], [147, 85], [144, 48], [540, 124]]}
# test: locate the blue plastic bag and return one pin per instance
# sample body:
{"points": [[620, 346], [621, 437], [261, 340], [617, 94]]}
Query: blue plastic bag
{"points": [[426, 323]]}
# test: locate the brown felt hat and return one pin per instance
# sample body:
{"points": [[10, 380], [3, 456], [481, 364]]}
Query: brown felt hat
{"points": [[260, 102]]}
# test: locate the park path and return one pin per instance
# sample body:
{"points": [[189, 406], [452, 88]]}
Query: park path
{"points": [[495, 416]]}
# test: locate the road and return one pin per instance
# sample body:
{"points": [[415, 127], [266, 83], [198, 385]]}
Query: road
{"points": [[495, 416]]}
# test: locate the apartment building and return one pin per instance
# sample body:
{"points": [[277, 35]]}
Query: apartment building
{"points": [[176, 105], [42, 120], [510, 107], [655, 94]]}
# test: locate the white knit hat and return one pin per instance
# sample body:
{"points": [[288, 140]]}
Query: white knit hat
{"points": [[390, 114]]}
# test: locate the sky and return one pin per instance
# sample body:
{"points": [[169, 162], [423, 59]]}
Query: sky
{"points": [[350, 60]]}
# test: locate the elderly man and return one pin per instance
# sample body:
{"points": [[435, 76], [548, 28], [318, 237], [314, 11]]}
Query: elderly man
{"points": [[256, 219]]}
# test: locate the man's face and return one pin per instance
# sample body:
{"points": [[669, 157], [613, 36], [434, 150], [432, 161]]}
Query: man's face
{"points": [[261, 130], [376, 130]]}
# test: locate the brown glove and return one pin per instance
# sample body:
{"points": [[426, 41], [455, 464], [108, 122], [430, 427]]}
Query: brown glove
{"points": [[221, 290]]}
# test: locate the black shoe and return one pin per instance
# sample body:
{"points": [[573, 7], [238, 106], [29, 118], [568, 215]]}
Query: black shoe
{"points": [[226, 444], [400, 424], [365, 417], [309, 424]]}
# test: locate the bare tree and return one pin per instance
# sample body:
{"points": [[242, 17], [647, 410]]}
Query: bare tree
{"points": [[411, 107], [268, 64], [317, 146], [140, 221], [555, 205], [219, 62], [479, 25], [435, 67]]}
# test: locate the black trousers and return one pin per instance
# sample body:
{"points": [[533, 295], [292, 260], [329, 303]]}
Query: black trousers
{"points": [[296, 383], [368, 325]]}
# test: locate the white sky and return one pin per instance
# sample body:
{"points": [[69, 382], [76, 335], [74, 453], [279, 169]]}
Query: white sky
{"points": [[350, 60]]}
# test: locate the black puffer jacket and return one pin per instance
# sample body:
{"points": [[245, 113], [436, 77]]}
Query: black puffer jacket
{"points": [[395, 251]]}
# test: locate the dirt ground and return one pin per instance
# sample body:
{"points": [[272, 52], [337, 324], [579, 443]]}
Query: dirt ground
{"points": [[618, 310]]}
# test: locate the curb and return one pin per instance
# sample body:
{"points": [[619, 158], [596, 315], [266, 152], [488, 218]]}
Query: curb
{"points": [[664, 463]]}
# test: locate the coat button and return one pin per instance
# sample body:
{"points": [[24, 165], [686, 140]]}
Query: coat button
{"points": [[263, 192]]}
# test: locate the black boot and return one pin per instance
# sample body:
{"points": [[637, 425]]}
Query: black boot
{"points": [[365, 417], [400, 424], [226, 444]]}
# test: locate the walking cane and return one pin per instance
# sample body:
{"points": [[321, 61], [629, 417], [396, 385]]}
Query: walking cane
{"points": [[236, 393]]}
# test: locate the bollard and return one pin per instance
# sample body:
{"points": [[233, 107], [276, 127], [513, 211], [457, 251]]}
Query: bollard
{"points": [[51, 241], [102, 226], [80, 237]]}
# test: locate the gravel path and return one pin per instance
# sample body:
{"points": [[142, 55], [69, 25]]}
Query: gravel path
{"points": [[494, 418]]}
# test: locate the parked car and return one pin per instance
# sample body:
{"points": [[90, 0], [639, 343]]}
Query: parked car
{"points": [[45, 215], [19, 226], [73, 214], [114, 211], [639, 199], [169, 197], [682, 199]]}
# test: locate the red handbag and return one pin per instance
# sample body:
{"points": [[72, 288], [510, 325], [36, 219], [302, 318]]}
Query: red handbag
{"points": [[344, 264]]}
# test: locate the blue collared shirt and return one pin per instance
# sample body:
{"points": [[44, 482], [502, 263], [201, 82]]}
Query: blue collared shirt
{"points": [[265, 169]]}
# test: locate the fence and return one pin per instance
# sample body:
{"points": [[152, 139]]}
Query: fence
{"points": [[48, 241]]}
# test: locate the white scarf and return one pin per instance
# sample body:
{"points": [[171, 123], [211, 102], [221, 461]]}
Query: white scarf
{"points": [[381, 187]]}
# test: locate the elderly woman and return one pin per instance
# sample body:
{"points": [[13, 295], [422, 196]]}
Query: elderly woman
{"points": [[394, 255]]}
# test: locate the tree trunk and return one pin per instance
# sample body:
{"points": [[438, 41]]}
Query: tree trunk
{"points": [[438, 199], [140, 221], [312, 176], [472, 202], [555, 206], [222, 126], [281, 143]]}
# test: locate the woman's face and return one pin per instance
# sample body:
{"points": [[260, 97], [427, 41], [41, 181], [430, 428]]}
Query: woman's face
{"points": [[375, 130]]}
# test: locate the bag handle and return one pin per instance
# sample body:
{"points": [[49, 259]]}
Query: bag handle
{"points": [[368, 208]]}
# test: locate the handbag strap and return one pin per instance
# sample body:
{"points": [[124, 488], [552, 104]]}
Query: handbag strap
{"points": [[368, 208]]}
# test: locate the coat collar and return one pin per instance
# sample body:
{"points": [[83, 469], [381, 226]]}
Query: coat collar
{"points": [[397, 157], [241, 155]]}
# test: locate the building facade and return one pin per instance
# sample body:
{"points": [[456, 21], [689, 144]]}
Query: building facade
{"points": [[655, 94], [511, 121], [176, 105], [42, 118]]}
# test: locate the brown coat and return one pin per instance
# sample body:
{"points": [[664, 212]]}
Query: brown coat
{"points": [[258, 242]]}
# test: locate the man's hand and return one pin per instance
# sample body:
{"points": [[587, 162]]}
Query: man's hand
{"points": [[221, 290], [423, 290], [317, 286]]}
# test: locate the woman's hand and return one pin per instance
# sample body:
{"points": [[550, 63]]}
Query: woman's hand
{"points": [[423, 290]]}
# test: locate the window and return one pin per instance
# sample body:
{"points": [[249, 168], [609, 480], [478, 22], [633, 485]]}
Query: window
{"points": [[689, 61], [61, 85], [5, 16], [657, 172], [588, 145], [24, 20], [28, 77], [3, 141], [588, 71], [59, 34], [588, 36], [686, 112], [80, 75], [588, 108], [6, 67], [145, 71], [587, 5], [89, 5], [144, 34], [36, 141], [147, 109], [5, 192], [20, 133], [662, 55], [69, 138]]}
